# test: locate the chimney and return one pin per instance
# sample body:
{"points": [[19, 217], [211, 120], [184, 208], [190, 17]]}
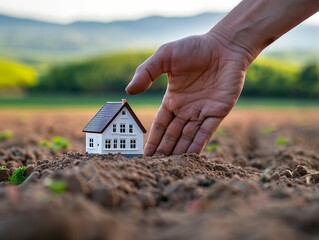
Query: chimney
{"points": [[123, 101]]}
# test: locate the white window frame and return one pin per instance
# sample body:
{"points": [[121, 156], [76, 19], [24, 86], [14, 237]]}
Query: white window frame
{"points": [[123, 112], [91, 142], [122, 127], [115, 143], [130, 128], [133, 143], [114, 128], [122, 143], [107, 143]]}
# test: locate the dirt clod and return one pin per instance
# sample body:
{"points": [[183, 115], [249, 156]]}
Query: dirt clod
{"points": [[287, 173], [248, 188], [4, 175], [299, 171]]}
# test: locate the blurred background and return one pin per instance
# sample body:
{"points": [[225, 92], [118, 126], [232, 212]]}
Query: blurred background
{"points": [[83, 53]]}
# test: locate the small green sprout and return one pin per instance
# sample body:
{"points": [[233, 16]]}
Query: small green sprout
{"points": [[6, 135], [17, 176], [282, 141], [220, 132], [57, 143], [267, 130], [212, 147], [60, 143], [45, 143], [3, 167], [56, 186]]}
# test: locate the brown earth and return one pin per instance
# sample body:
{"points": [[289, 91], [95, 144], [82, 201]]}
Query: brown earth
{"points": [[251, 185]]}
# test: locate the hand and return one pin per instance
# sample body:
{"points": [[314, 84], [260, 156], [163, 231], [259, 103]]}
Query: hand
{"points": [[205, 78]]}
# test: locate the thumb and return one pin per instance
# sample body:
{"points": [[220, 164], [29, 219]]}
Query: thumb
{"points": [[148, 72]]}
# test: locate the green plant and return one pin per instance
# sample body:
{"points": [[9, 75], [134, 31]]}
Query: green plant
{"points": [[45, 143], [220, 132], [60, 143], [282, 141], [6, 135], [56, 186], [3, 167], [212, 147], [267, 130], [57, 143], [17, 176]]}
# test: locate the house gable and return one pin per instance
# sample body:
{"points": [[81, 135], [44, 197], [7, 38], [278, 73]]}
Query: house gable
{"points": [[122, 126], [123, 135], [105, 116]]}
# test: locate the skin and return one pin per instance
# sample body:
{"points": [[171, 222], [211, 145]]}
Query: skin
{"points": [[206, 72]]}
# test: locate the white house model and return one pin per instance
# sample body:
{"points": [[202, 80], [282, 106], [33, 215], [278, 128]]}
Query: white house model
{"points": [[115, 129]]}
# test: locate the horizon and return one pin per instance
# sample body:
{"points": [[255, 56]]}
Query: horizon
{"points": [[69, 11], [101, 21], [312, 22]]}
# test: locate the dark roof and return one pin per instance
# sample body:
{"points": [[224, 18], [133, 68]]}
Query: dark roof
{"points": [[106, 115]]}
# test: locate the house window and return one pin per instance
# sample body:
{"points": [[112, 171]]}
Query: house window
{"points": [[91, 142], [107, 143], [114, 127], [123, 112], [122, 143], [130, 128], [122, 128], [133, 143], [115, 143]]}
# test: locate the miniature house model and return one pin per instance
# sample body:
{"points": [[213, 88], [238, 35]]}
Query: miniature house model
{"points": [[115, 129]]}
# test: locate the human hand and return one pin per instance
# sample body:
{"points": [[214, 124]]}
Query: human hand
{"points": [[205, 78]]}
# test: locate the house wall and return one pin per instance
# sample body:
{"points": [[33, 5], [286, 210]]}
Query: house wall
{"points": [[137, 134], [97, 143]]}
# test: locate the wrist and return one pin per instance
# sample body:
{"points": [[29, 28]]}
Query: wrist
{"points": [[253, 25]]}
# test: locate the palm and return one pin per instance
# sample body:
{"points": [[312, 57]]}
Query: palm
{"points": [[204, 82]]}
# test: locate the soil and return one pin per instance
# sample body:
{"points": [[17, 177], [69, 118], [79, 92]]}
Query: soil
{"points": [[251, 185]]}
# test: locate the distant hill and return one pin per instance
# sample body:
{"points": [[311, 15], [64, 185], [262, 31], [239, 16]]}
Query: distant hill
{"points": [[27, 37]]}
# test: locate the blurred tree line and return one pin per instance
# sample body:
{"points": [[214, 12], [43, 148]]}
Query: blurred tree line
{"points": [[266, 77], [274, 78], [110, 73]]}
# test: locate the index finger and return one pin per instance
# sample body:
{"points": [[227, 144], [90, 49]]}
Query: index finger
{"points": [[149, 71], [159, 126]]}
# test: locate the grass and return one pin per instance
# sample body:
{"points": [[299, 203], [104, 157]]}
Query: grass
{"points": [[56, 186], [17, 176], [77, 101], [5, 135], [212, 147], [282, 141], [57, 143], [277, 103], [141, 100]]}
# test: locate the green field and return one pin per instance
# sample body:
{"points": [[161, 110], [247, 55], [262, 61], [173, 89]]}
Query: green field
{"points": [[77, 101], [142, 100]]}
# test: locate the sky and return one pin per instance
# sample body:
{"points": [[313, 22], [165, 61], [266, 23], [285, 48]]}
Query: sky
{"points": [[66, 11]]}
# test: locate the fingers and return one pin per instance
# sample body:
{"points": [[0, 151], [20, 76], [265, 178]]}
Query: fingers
{"points": [[204, 134], [149, 71], [187, 137], [171, 136], [162, 120]]}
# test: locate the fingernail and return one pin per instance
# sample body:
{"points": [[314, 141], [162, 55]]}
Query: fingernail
{"points": [[127, 88]]}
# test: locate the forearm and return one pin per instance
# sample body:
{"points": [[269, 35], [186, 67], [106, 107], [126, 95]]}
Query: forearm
{"points": [[254, 24]]}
